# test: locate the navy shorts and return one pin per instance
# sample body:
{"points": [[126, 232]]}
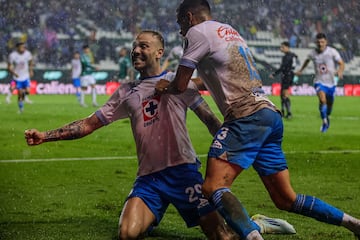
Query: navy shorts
{"points": [[253, 140], [180, 186]]}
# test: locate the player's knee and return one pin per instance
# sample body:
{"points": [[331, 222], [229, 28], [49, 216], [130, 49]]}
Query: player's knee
{"points": [[207, 189], [128, 232]]}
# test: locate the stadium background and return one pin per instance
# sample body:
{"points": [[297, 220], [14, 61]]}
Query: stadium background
{"points": [[53, 30]]}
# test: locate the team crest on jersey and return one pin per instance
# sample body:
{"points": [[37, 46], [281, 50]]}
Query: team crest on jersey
{"points": [[216, 144], [150, 110]]}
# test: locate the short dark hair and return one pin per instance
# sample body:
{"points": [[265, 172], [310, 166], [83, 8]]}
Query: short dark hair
{"points": [[18, 44], [286, 43], [157, 34], [320, 36], [85, 46], [188, 5]]}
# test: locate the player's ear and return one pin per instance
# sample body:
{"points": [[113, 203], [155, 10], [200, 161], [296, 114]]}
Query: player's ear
{"points": [[160, 52]]}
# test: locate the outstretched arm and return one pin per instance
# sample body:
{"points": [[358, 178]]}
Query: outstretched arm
{"points": [[298, 73], [74, 130], [207, 116]]}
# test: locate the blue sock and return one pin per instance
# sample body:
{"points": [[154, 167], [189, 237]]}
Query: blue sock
{"points": [[233, 212], [21, 105], [313, 207], [323, 111]]}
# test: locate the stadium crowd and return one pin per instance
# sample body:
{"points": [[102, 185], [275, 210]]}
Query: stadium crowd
{"points": [[41, 23]]}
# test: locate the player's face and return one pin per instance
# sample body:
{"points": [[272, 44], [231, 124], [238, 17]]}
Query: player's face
{"points": [[146, 52], [21, 48], [321, 44]]}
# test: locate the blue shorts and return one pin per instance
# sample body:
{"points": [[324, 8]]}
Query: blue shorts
{"points": [[252, 140], [329, 91], [22, 84], [76, 82], [180, 186]]}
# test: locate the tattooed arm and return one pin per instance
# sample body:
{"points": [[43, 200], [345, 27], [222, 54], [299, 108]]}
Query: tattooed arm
{"points": [[205, 114], [74, 130]]}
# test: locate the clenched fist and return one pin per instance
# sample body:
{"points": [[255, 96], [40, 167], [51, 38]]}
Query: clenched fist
{"points": [[34, 137]]}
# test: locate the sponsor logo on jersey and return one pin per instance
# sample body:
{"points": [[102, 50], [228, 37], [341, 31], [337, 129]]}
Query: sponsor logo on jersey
{"points": [[229, 34]]}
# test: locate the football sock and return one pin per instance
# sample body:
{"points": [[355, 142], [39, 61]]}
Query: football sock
{"points": [[313, 207], [234, 213], [93, 91], [21, 105], [82, 97], [351, 223], [283, 106], [288, 105], [323, 111]]}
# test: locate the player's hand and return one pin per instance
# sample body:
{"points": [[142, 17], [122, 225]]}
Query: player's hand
{"points": [[271, 76], [298, 73], [34, 137], [162, 86]]}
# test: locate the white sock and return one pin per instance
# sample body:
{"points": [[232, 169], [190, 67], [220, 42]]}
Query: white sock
{"points": [[93, 91], [351, 223], [82, 97]]}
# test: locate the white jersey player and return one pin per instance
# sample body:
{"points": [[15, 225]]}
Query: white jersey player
{"points": [[20, 65], [76, 73], [328, 65]]}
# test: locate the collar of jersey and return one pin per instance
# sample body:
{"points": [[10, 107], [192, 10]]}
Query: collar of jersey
{"points": [[157, 76]]}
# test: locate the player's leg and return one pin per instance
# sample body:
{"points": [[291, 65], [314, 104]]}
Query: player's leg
{"points": [[286, 94], [135, 219], [219, 177], [323, 108], [84, 84], [94, 94]]}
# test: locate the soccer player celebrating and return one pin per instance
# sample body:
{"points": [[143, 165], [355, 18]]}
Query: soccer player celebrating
{"points": [[20, 65], [163, 147], [325, 59], [252, 132]]}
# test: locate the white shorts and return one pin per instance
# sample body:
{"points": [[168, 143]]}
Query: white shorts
{"points": [[87, 80]]}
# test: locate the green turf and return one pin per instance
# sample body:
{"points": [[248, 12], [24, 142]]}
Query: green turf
{"points": [[82, 199]]}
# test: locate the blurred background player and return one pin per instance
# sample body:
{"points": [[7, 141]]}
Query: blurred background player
{"points": [[75, 74], [171, 62], [328, 64], [20, 65], [125, 71], [286, 69], [86, 78], [12, 87]]}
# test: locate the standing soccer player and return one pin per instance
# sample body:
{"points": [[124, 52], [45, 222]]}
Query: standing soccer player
{"points": [[20, 65], [286, 69], [125, 72], [75, 74], [252, 132], [325, 59], [168, 170], [86, 78]]}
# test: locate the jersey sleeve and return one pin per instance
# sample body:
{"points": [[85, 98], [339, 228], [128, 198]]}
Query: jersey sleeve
{"points": [[191, 96], [114, 109], [196, 47], [337, 56]]}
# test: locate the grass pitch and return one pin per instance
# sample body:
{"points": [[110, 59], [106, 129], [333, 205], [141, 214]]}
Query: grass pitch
{"points": [[76, 189]]}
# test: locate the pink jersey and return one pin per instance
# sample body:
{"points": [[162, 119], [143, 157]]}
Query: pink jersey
{"points": [[325, 65], [158, 122], [226, 66]]}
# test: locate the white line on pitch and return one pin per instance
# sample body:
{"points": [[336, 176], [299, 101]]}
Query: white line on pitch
{"points": [[134, 157]]}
